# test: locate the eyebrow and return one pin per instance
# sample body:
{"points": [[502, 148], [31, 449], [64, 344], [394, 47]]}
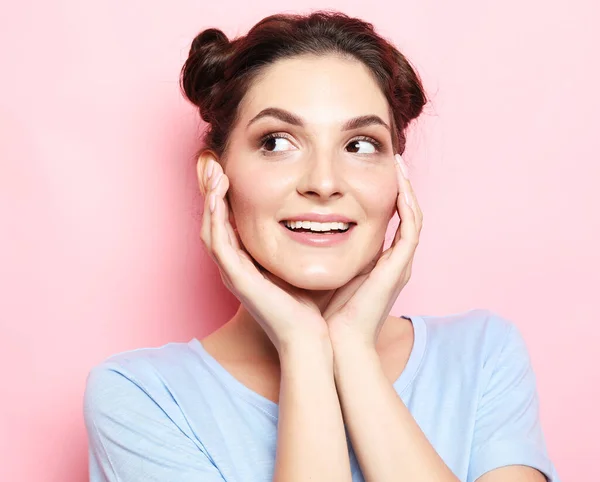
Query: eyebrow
{"points": [[291, 118]]}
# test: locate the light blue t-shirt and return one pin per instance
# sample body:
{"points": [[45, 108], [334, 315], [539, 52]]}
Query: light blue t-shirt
{"points": [[173, 413]]}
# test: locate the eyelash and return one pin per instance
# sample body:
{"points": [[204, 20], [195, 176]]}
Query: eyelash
{"points": [[279, 135]]}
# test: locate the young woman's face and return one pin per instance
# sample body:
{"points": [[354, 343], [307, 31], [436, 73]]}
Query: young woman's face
{"points": [[312, 166]]}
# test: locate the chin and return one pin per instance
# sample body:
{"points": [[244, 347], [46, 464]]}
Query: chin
{"points": [[315, 280]]}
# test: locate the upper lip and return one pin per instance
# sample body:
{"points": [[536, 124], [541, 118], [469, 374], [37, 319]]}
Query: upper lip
{"points": [[320, 218]]}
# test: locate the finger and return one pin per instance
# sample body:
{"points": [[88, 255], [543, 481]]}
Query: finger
{"points": [[217, 185], [415, 205], [229, 253], [211, 177], [407, 234], [221, 189], [220, 240], [233, 236], [416, 208]]}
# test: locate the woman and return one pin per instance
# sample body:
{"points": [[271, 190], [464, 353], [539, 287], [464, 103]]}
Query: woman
{"points": [[312, 379]]}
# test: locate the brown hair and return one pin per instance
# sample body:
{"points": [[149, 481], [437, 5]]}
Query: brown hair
{"points": [[218, 72]]}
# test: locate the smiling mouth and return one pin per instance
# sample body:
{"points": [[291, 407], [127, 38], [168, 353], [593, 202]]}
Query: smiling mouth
{"points": [[317, 228]]}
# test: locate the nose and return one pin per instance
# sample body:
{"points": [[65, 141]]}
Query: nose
{"points": [[321, 178]]}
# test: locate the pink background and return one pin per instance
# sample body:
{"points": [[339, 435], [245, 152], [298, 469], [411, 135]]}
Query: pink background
{"points": [[99, 209]]}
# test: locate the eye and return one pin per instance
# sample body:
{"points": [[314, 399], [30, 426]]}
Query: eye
{"points": [[274, 142], [277, 141], [375, 146]]}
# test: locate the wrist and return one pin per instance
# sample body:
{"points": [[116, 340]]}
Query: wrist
{"points": [[349, 339], [302, 346], [351, 355]]}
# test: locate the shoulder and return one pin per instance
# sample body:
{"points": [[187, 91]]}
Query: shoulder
{"points": [[139, 373], [136, 409], [477, 338], [473, 322], [479, 327], [478, 360], [140, 362]]}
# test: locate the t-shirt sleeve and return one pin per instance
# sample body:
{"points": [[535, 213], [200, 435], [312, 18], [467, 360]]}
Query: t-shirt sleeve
{"points": [[507, 426], [131, 438]]}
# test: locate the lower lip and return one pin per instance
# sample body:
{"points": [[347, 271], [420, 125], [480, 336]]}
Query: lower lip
{"points": [[323, 240]]}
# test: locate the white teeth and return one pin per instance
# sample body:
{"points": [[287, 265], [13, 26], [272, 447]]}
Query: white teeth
{"points": [[317, 227]]}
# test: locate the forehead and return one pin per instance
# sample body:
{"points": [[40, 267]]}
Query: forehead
{"points": [[323, 90]]}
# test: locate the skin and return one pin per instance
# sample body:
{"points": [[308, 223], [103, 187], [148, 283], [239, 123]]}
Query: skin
{"points": [[315, 169], [312, 171], [313, 331]]}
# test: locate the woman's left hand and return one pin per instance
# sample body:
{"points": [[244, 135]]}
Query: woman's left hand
{"points": [[358, 309]]}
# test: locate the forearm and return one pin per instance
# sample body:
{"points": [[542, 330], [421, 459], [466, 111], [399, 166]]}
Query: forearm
{"points": [[388, 442], [311, 443]]}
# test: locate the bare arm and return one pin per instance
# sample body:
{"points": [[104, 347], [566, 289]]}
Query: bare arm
{"points": [[388, 442], [311, 444]]}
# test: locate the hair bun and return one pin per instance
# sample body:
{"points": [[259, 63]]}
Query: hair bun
{"points": [[204, 68]]}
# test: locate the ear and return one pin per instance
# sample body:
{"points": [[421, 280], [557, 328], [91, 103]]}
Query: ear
{"points": [[205, 156]]}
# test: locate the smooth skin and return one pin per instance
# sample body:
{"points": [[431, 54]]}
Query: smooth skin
{"points": [[313, 331]]}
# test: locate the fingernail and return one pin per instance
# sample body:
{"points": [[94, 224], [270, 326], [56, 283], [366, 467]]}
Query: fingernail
{"points": [[216, 180], [407, 199], [212, 202], [402, 164], [209, 168]]}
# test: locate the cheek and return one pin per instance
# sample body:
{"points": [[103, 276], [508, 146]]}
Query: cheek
{"points": [[252, 202], [243, 194], [380, 198]]}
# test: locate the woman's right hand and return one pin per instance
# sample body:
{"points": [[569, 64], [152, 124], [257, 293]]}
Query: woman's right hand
{"points": [[286, 315]]}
